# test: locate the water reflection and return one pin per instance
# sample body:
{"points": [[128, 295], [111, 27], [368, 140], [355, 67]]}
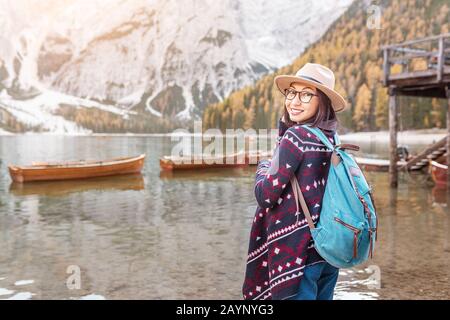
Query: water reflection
{"points": [[204, 174], [183, 235], [440, 196], [59, 188]]}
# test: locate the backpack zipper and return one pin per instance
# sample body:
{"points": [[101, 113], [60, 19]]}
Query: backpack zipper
{"points": [[356, 231]]}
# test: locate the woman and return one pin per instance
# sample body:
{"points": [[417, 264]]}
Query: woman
{"points": [[282, 262]]}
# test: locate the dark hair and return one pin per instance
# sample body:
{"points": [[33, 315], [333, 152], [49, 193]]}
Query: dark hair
{"points": [[325, 111]]}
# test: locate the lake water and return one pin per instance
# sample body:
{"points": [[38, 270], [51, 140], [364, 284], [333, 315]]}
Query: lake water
{"points": [[185, 235]]}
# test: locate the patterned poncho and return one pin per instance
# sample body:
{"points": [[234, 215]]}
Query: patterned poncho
{"points": [[280, 242]]}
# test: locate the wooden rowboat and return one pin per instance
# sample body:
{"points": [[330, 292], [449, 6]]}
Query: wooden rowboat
{"points": [[236, 160], [439, 173], [46, 171]]}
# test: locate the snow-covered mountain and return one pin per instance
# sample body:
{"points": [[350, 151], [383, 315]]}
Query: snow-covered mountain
{"points": [[165, 59]]}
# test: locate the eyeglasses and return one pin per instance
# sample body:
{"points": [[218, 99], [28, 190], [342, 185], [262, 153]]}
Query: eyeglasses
{"points": [[305, 96]]}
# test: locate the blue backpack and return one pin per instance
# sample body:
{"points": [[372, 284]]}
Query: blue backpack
{"points": [[346, 231]]}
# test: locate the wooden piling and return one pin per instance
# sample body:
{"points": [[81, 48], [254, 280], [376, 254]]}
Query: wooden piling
{"points": [[393, 128], [447, 89]]}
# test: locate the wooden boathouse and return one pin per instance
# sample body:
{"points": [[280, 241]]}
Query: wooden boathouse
{"points": [[423, 70]]}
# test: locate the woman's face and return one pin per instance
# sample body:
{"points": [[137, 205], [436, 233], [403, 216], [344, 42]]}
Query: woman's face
{"points": [[300, 111]]}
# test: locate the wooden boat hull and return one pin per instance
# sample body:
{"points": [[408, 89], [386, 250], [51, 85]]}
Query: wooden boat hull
{"points": [[439, 173], [77, 170]]}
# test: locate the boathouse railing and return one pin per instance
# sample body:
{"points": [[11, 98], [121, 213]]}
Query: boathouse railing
{"points": [[424, 57]]}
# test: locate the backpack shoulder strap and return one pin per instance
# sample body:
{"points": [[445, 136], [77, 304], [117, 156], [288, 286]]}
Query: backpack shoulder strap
{"points": [[321, 136], [298, 195], [337, 140]]}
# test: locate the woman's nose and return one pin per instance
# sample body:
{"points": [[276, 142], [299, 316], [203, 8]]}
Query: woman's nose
{"points": [[297, 100]]}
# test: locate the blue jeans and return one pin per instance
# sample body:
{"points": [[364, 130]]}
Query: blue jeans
{"points": [[318, 282]]}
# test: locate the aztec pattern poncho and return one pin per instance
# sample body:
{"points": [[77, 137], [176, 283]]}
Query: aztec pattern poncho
{"points": [[280, 242]]}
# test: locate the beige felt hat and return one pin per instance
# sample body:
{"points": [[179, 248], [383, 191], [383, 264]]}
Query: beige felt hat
{"points": [[317, 76]]}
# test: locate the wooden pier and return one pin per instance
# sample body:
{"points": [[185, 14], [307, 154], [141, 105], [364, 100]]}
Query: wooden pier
{"points": [[424, 72]]}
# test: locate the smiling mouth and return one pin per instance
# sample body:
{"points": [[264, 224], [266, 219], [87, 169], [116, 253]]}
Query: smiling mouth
{"points": [[295, 112]]}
